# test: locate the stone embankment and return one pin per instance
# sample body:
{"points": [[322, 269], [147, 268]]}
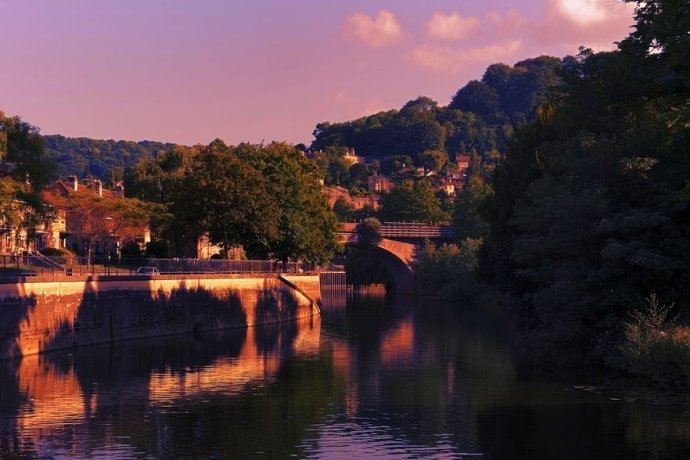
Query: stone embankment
{"points": [[39, 315]]}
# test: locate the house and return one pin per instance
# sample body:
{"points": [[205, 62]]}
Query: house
{"points": [[69, 223], [351, 157], [378, 184], [463, 164], [357, 202]]}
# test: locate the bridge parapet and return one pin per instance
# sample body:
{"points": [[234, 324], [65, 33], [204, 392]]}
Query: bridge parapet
{"points": [[408, 230], [414, 230]]}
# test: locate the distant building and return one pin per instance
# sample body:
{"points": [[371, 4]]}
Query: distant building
{"points": [[378, 184], [463, 164], [357, 202], [351, 157], [59, 233]]}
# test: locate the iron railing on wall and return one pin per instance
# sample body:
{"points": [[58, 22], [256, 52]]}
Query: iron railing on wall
{"points": [[27, 265]]}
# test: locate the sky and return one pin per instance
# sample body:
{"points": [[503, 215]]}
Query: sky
{"points": [[190, 71]]}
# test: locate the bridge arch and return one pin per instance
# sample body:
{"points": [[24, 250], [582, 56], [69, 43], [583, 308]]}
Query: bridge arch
{"points": [[398, 248], [397, 256]]}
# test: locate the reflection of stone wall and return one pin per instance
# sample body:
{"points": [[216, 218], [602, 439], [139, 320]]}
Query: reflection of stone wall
{"points": [[42, 316]]}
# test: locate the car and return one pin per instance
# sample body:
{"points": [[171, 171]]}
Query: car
{"points": [[148, 271]]}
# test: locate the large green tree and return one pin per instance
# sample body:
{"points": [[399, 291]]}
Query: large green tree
{"points": [[24, 170], [231, 200], [307, 228], [21, 152]]}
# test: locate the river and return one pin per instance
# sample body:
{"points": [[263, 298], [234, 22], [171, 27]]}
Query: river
{"points": [[368, 378]]}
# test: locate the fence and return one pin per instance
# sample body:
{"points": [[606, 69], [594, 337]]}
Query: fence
{"points": [[39, 265]]}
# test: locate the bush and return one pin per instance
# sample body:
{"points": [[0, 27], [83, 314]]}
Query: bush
{"points": [[131, 249], [449, 270], [655, 347], [370, 232], [60, 255], [157, 249], [55, 252]]}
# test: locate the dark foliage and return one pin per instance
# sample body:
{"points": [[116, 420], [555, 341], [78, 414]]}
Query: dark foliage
{"points": [[591, 211], [102, 159]]}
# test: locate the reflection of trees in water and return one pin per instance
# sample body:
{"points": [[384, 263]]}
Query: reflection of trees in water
{"points": [[238, 424], [563, 429], [418, 364], [11, 400]]}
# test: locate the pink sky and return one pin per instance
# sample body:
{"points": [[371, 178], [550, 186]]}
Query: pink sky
{"points": [[189, 71]]}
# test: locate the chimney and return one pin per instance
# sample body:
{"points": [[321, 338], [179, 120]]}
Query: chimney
{"points": [[99, 188], [73, 182]]}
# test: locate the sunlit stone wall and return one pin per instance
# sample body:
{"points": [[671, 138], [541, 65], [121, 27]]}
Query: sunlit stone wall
{"points": [[48, 315]]}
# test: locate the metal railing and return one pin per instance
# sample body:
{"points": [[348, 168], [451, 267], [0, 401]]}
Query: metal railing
{"points": [[28, 265]]}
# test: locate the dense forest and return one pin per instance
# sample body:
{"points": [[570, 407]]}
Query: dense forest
{"points": [[590, 220], [480, 117], [101, 159]]}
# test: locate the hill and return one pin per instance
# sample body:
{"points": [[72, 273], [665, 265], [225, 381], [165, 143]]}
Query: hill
{"points": [[480, 117], [102, 159]]}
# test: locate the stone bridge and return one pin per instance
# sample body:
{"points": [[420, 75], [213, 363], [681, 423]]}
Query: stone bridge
{"points": [[399, 246]]}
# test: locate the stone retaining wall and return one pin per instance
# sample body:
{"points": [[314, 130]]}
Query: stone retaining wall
{"points": [[39, 316]]}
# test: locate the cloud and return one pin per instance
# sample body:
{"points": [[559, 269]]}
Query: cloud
{"points": [[513, 22], [444, 59], [582, 11], [593, 23], [450, 26], [381, 30]]}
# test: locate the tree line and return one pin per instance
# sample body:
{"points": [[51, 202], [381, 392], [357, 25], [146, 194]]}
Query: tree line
{"points": [[266, 198]]}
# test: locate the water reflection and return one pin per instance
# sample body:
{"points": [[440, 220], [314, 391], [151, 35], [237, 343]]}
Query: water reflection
{"points": [[369, 378]]}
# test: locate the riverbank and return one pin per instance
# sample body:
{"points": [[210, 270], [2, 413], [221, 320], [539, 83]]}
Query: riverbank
{"points": [[40, 315]]}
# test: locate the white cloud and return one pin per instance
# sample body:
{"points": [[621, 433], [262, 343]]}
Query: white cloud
{"points": [[444, 59], [381, 30], [450, 26], [583, 12]]}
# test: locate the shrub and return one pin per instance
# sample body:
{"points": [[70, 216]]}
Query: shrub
{"points": [[370, 231], [55, 252], [60, 255], [449, 270], [655, 347]]}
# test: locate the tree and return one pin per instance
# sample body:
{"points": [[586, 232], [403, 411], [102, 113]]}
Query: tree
{"points": [[231, 200], [479, 98], [97, 220], [369, 231], [307, 228], [161, 180], [342, 209], [21, 153], [24, 170], [412, 201], [433, 160], [468, 218], [589, 217]]}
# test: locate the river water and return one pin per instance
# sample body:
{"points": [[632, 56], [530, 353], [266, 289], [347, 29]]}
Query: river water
{"points": [[369, 378]]}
